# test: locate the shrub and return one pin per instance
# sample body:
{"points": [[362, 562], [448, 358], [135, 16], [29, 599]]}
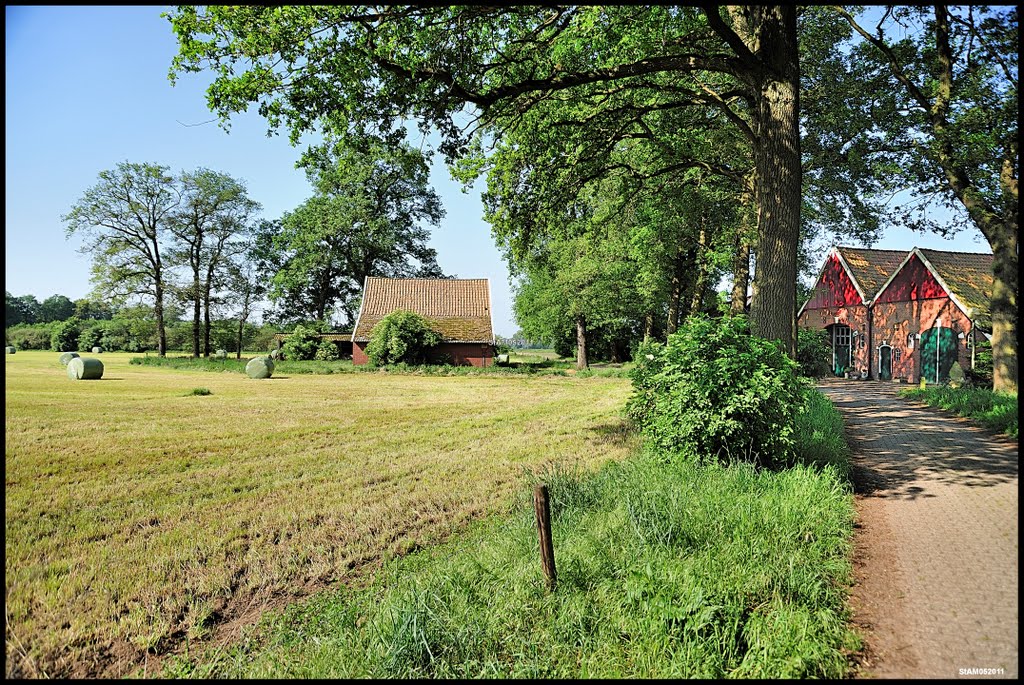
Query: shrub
{"points": [[30, 336], [65, 335], [327, 351], [715, 390], [302, 344], [813, 353], [399, 337], [90, 338]]}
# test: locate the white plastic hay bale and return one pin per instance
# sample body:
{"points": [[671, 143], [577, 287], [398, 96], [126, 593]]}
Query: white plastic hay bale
{"points": [[260, 367], [221, 354], [10, 349], [67, 357], [85, 369], [97, 350], [276, 353]]}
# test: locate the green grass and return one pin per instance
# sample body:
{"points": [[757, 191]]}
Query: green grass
{"points": [[200, 391], [994, 410], [665, 570], [138, 517]]}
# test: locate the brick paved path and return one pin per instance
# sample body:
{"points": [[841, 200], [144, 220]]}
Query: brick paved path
{"points": [[936, 542]]}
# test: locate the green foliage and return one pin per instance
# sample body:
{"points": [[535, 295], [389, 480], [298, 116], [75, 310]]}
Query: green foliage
{"points": [[981, 375], [327, 351], [813, 353], [401, 337], [995, 410], [30, 336], [56, 308], [21, 310], [303, 343], [90, 337], [715, 391], [199, 391], [65, 335], [664, 571]]}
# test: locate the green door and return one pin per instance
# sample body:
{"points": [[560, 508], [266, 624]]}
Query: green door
{"points": [[938, 352], [841, 346], [885, 363]]}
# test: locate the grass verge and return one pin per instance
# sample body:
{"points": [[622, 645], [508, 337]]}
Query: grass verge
{"points": [[994, 410], [665, 569]]}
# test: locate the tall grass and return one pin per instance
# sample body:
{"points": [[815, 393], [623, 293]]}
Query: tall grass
{"points": [[994, 410], [665, 569]]}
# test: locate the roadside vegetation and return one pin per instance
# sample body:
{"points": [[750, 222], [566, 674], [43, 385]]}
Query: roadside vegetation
{"points": [[995, 410], [670, 564]]}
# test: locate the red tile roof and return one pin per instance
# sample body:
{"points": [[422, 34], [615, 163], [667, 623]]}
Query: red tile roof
{"points": [[871, 268], [968, 275], [457, 308]]}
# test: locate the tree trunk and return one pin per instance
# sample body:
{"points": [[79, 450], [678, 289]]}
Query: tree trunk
{"points": [[1005, 262], [741, 260], [196, 317], [648, 325], [778, 174], [158, 309], [581, 343], [676, 293], [206, 322], [701, 280], [241, 329]]}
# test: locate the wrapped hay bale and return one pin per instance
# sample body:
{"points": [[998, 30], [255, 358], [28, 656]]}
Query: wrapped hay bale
{"points": [[276, 353], [10, 349], [67, 357], [221, 354], [97, 350], [260, 367], [85, 369]]}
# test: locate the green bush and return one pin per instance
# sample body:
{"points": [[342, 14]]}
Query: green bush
{"points": [[65, 335], [401, 337], [30, 336], [716, 391], [91, 337], [813, 353], [302, 344], [326, 351]]}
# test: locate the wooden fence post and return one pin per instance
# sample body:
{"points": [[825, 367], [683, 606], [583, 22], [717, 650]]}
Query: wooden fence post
{"points": [[547, 550]]}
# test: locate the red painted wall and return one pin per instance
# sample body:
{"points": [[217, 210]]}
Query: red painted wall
{"points": [[458, 354], [834, 288], [913, 282]]}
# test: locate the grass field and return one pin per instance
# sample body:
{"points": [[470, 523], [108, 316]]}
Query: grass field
{"points": [[140, 513]]}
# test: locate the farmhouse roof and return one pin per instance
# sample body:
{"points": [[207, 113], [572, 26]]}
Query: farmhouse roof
{"points": [[457, 308], [870, 269], [967, 276]]}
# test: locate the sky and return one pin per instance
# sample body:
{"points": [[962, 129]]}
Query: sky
{"points": [[87, 88]]}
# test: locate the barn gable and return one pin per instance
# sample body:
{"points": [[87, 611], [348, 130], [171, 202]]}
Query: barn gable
{"points": [[964, 277], [835, 286], [457, 308]]}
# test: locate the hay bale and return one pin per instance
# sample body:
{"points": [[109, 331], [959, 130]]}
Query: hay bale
{"points": [[221, 354], [276, 353], [260, 367], [10, 349], [97, 350], [67, 357], [85, 369]]}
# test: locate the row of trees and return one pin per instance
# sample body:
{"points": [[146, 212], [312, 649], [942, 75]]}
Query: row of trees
{"points": [[799, 119], [193, 239], [26, 309]]}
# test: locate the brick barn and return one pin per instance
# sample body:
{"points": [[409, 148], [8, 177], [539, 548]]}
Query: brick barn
{"points": [[457, 308], [901, 315]]}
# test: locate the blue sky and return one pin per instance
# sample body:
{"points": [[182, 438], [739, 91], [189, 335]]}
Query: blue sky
{"points": [[86, 88]]}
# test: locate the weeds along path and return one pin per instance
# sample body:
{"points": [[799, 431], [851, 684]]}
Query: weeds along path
{"points": [[936, 547]]}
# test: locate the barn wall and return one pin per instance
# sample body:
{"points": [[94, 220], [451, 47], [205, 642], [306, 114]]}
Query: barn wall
{"points": [[458, 354], [856, 317], [898, 323], [834, 288]]}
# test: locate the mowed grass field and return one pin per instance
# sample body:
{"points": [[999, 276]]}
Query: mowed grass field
{"points": [[139, 515]]}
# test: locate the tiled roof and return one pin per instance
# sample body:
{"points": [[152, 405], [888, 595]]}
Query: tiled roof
{"points": [[969, 276], [332, 337], [871, 268], [457, 308]]}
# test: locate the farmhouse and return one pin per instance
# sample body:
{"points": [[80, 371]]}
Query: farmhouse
{"points": [[457, 308], [897, 315]]}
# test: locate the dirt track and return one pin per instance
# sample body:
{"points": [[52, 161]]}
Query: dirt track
{"points": [[936, 543]]}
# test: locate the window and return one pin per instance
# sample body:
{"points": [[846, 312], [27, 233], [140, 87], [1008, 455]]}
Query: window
{"points": [[910, 341], [896, 354]]}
